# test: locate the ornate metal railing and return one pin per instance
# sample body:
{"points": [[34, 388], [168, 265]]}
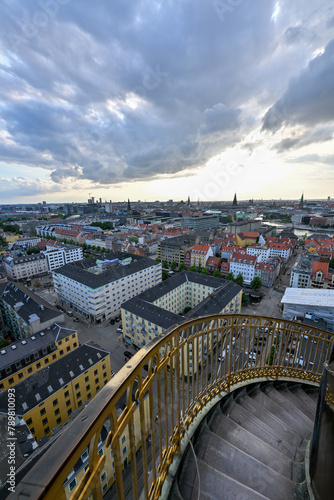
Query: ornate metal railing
{"points": [[155, 398]]}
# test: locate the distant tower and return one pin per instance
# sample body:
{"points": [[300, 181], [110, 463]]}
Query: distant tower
{"points": [[188, 202], [235, 203], [129, 217], [301, 203]]}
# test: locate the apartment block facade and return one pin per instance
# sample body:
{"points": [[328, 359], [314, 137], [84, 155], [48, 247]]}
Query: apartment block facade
{"points": [[27, 266], [49, 397], [58, 257], [22, 359], [97, 289]]}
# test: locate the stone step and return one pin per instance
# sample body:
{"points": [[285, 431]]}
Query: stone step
{"points": [[251, 444], [267, 417], [281, 412], [289, 401], [244, 468], [214, 485], [250, 422]]}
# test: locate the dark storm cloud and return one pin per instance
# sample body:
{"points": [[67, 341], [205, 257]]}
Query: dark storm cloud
{"points": [[309, 99], [117, 91]]}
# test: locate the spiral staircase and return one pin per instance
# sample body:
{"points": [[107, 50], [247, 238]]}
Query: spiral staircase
{"points": [[252, 445]]}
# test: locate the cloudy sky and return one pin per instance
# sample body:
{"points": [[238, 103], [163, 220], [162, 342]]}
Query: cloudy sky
{"points": [[152, 99]]}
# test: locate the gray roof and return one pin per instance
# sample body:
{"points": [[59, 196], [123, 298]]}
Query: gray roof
{"points": [[178, 279], [24, 258], [46, 382], [152, 313], [24, 348], [179, 241], [27, 303], [78, 271], [142, 305]]}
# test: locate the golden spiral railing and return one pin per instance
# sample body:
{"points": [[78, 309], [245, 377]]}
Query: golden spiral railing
{"points": [[152, 402]]}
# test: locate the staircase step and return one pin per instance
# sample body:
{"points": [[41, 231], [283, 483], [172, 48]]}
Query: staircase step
{"points": [[213, 485], [233, 462], [288, 398], [249, 443], [260, 412], [272, 436], [292, 420]]}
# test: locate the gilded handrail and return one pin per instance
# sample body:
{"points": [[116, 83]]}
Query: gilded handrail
{"points": [[188, 366]]}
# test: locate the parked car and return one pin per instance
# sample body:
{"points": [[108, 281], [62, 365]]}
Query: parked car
{"points": [[119, 330], [128, 354]]}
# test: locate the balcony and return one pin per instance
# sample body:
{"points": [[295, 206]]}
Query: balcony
{"points": [[161, 404]]}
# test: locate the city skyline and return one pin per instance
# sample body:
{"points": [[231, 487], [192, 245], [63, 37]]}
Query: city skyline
{"points": [[156, 100]]}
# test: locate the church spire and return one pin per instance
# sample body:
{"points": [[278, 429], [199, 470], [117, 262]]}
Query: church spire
{"points": [[235, 203]]}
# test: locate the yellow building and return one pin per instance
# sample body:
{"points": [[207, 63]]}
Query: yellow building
{"points": [[26, 357], [153, 311], [246, 238], [11, 238], [107, 476], [49, 397]]}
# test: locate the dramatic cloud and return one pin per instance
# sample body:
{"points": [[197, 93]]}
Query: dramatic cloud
{"points": [[309, 99], [109, 92]]}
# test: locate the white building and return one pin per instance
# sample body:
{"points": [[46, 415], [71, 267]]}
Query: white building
{"points": [[244, 264], [97, 289], [27, 266], [301, 272], [259, 250], [59, 256], [27, 242]]}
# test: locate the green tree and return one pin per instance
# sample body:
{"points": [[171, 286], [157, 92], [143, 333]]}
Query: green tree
{"points": [[193, 269], [134, 239], [229, 219], [157, 259], [217, 273], [331, 263], [32, 250], [186, 309], [182, 266], [239, 279], [165, 275], [229, 277], [173, 266], [256, 283], [244, 299], [3, 343], [205, 271], [165, 264]]}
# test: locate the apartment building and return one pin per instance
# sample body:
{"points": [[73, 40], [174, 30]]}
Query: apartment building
{"points": [[59, 256], [97, 289], [27, 242], [107, 475], [269, 270], [301, 272], [21, 359], [26, 266], [200, 255], [49, 397], [153, 311], [244, 264], [247, 238], [24, 313], [175, 249]]}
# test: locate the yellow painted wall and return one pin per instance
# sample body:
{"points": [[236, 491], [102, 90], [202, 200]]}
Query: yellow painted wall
{"points": [[63, 347], [67, 398]]}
